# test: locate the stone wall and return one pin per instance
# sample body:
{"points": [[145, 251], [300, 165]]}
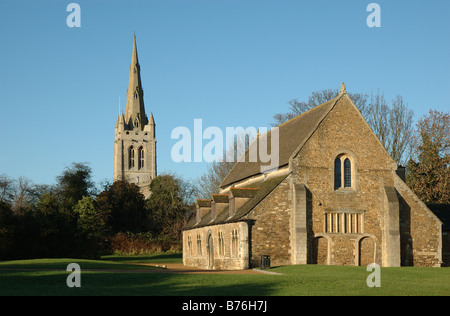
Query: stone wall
{"points": [[306, 219], [224, 253], [345, 223], [420, 230], [270, 233], [373, 171]]}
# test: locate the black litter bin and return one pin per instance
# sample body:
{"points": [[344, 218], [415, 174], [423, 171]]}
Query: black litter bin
{"points": [[265, 262]]}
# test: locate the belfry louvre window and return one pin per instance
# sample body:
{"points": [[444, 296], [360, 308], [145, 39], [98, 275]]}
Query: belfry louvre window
{"points": [[131, 157], [141, 157], [344, 222]]}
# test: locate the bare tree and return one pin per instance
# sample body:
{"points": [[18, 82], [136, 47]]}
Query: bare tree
{"points": [[400, 131], [297, 107], [23, 194], [378, 117], [391, 124], [209, 182], [6, 188]]}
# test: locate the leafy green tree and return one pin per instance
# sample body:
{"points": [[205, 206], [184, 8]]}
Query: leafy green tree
{"points": [[92, 227], [169, 204], [74, 183], [125, 205], [90, 218], [7, 230], [57, 227], [429, 173]]}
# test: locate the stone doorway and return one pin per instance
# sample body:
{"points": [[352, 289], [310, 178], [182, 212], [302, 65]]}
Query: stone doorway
{"points": [[320, 251], [366, 251]]}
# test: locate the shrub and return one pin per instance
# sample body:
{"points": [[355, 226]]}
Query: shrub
{"points": [[142, 243]]}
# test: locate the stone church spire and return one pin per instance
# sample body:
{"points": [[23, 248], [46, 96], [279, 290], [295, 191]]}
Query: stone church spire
{"points": [[135, 116], [134, 141]]}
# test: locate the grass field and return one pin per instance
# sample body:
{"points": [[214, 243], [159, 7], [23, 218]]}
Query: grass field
{"points": [[48, 277]]}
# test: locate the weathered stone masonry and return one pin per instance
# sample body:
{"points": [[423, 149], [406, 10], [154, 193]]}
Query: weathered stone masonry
{"points": [[335, 199]]}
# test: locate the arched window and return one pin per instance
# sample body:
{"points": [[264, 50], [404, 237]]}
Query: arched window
{"points": [[343, 172], [221, 244], [141, 157], [337, 173], [199, 245], [190, 245], [234, 243], [131, 157], [347, 173]]}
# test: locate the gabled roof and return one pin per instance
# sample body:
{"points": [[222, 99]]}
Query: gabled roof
{"points": [[220, 198], [204, 203], [293, 134], [247, 192], [264, 188]]}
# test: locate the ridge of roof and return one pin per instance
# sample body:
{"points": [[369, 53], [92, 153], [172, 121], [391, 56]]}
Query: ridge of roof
{"points": [[220, 198], [294, 133], [204, 202], [223, 217], [332, 103]]}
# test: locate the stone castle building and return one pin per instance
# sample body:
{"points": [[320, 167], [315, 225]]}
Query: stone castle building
{"points": [[135, 139], [336, 198]]}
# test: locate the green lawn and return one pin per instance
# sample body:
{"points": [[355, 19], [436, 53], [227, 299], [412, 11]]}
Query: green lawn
{"points": [[154, 258], [295, 280]]}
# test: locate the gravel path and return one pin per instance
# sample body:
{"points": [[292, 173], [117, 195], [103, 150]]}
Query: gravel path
{"points": [[180, 268]]}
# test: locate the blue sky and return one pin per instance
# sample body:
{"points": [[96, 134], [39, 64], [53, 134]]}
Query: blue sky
{"points": [[229, 62]]}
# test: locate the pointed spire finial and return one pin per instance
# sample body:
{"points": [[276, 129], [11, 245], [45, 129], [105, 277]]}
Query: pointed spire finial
{"points": [[342, 90], [134, 58], [152, 120], [134, 109]]}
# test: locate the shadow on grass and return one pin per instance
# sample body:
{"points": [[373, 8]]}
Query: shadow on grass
{"points": [[296, 280], [153, 258], [53, 283]]}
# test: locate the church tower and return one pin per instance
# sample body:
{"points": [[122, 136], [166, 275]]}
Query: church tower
{"points": [[135, 142]]}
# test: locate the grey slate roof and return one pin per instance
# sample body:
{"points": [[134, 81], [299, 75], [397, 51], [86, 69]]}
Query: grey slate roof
{"points": [[265, 188], [292, 134]]}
